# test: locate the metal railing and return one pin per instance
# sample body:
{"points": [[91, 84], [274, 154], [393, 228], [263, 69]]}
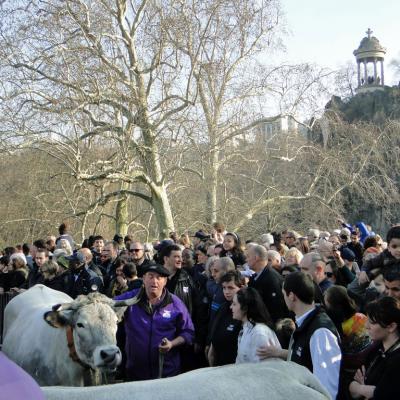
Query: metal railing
{"points": [[4, 300]]}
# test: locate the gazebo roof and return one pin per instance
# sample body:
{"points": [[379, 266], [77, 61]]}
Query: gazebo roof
{"points": [[368, 45]]}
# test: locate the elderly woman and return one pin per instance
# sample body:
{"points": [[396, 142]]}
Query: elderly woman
{"points": [[293, 257], [16, 276]]}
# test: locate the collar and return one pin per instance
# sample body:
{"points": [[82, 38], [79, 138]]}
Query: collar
{"points": [[300, 320], [258, 274], [72, 351], [144, 303]]}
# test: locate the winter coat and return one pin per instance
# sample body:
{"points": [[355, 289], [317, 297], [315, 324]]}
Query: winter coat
{"points": [[146, 326]]}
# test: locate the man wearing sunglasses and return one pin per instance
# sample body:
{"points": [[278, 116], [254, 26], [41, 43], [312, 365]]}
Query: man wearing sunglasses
{"points": [[137, 256]]}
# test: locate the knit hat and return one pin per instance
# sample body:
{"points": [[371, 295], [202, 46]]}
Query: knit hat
{"points": [[347, 254]]}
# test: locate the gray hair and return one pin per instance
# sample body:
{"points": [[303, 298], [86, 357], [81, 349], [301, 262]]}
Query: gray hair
{"points": [[274, 254], [313, 232], [209, 263], [316, 258], [260, 251], [226, 264]]}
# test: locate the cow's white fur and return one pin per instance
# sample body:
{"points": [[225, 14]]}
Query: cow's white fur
{"points": [[268, 380], [40, 349]]}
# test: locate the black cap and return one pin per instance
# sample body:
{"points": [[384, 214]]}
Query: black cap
{"points": [[163, 245], [201, 235], [77, 256], [158, 268], [118, 238]]}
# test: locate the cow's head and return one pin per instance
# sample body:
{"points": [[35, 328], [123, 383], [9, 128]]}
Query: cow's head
{"points": [[93, 319]]}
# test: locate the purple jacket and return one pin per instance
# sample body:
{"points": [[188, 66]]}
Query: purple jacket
{"points": [[146, 326], [15, 383]]}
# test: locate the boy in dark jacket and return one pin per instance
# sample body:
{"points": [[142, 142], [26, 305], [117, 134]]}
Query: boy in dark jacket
{"points": [[385, 260]]}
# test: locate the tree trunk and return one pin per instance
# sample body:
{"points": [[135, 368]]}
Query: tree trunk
{"points": [[211, 189], [163, 212], [121, 216]]}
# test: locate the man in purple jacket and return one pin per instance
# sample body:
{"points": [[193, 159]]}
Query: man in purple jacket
{"points": [[155, 327]]}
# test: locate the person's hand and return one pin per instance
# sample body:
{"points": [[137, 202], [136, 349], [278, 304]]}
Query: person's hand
{"points": [[363, 278], [354, 389], [4, 269], [268, 351], [360, 375], [121, 281], [336, 254], [165, 346]]}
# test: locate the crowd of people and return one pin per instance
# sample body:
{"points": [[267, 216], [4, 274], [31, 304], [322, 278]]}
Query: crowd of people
{"points": [[329, 301]]}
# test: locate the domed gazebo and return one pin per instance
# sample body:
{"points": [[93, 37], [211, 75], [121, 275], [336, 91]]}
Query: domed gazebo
{"points": [[370, 52]]}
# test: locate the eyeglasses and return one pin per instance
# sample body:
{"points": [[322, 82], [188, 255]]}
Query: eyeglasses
{"points": [[135, 250]]}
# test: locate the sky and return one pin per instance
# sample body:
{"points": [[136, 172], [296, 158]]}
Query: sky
{"points": [[326, 32]]}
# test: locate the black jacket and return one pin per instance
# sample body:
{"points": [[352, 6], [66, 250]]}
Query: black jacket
{"points": [[182, 286], [35, 276], [59, 282], [237, 257], [269, 285], [82, 281], [383, 372], [224, 336], [300, 343], [374, 266]]}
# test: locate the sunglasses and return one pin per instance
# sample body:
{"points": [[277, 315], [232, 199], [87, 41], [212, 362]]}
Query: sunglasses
{"points": [[135, 250]]}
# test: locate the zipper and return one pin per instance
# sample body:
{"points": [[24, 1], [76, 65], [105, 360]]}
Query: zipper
{"points": [[150, 342]]}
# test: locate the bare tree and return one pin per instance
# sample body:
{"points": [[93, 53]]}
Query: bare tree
{"points": [[80, 73]]}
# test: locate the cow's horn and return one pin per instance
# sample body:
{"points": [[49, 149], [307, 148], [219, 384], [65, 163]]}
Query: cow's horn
{"points": [[126, 303], [61, 307]]}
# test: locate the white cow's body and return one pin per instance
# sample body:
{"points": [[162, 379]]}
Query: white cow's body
{"points": [[268, 380], [40, 349]]}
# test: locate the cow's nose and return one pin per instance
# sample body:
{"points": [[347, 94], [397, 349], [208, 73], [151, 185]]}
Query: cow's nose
{"points": [[108, 355]]}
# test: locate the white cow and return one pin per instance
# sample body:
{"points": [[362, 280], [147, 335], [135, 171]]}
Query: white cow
{"points": [[35, 337], [269, 380]]}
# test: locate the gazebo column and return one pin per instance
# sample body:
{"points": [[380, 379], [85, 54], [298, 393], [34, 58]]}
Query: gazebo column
{"points": [[375, 75], [358, 73], [365, 72], [382, 77]]}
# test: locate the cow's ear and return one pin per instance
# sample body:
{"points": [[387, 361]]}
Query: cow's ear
{"points": [[120, 311], [56, 319]]}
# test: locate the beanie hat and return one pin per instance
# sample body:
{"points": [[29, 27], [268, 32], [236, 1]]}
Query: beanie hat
{"points": [[347, 254]]}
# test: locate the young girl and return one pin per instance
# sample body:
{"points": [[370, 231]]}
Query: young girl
{"points": [[232, 249], [248, 307]]}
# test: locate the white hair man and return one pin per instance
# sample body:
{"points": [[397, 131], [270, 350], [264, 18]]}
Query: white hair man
{"points": [[267, 281]]}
